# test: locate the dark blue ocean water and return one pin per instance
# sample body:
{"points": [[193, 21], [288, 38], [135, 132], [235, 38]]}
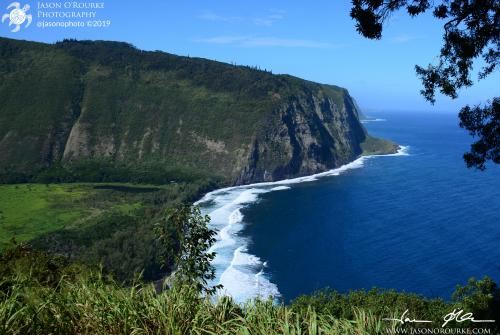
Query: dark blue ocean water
{"points": [[420, 223]]}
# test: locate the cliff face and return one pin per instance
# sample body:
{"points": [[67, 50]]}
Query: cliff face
{"points": [[156, 114], [305, 136]]}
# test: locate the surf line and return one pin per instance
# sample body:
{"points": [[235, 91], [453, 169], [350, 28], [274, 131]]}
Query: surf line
{"points": [[242, 274]]}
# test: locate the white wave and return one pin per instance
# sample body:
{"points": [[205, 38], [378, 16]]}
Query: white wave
{"points": [[241, 257], [224, 234], [235, 216], [280, 188], [245, 279], [373, 120], [404, 150], [258, 188], [243, 275], [235, 267], [249, 196]]}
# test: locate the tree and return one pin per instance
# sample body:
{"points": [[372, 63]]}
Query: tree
{"points": [[185, 236], [480, 297], [483, 122], [471, 31]]}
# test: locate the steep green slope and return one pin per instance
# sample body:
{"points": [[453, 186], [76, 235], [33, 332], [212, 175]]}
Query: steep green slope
{"points": [[39, 97], [102, 111]]}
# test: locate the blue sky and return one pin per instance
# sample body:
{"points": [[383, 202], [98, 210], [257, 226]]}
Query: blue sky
{"points": [[313, 40]]}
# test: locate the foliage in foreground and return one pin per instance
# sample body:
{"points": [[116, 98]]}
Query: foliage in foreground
{"points": [[90, 306], [184, 233], [44, 294], [41, 294], [471, 31], [482, 123]]}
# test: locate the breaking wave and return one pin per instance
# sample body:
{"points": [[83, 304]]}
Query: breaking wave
{"points": [[244, 276], [372, 120]]}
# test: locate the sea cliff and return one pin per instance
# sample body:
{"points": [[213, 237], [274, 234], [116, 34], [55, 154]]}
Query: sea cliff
{"points": [[76, 107]]}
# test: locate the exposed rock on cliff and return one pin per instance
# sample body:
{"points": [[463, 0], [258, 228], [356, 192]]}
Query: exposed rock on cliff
{"points": [[124, 114], [305, 136]]}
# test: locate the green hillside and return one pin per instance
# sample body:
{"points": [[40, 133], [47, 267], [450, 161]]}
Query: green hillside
{"points": [[99, 139], [76, 114], [106, 111]]}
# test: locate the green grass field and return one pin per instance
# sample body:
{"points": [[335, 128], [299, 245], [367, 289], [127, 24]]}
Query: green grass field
{"points": [[30, 210], [111, 224]]}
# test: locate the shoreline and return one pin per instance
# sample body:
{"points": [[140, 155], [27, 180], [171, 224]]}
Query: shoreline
{"points": [[243, 275], [402, 151]]}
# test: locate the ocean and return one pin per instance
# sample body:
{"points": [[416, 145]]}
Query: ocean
{"points": [[417, 221]]}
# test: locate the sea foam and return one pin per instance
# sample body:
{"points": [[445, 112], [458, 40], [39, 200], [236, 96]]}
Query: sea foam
{"points": [[373, 120], [242, 274]]}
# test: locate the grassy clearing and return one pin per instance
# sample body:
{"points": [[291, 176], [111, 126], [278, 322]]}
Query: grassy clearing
{"points": [[108, 224], [28, 211]]}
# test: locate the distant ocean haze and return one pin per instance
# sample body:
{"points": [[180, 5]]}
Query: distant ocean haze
{"points": [[418, 221]]}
